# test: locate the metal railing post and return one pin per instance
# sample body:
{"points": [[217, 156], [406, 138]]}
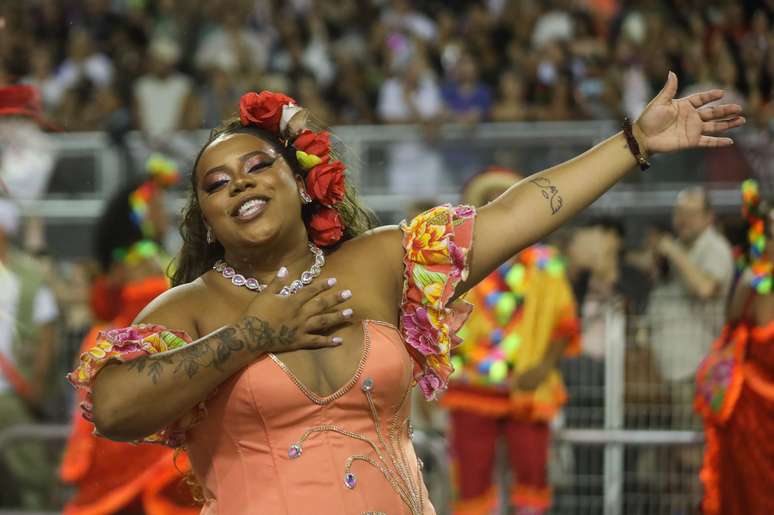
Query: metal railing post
{"points": [[614, 408]]}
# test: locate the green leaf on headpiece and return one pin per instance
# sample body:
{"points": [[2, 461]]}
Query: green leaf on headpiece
{"points": [[307, 161]]}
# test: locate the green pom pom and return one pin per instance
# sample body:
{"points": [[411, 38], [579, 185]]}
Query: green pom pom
{"points": [[764, 288], [498, 371], [511, 344], [515, 277], [505, 307], [555, 267]]}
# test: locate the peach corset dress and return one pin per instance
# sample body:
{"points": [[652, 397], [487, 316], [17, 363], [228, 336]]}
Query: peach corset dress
{"points": [[264, 443]]}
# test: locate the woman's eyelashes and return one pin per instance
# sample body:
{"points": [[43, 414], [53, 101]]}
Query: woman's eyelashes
{"points": [[258, 163], [252, 165]]}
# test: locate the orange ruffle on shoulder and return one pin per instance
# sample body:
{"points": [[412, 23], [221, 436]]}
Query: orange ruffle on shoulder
{"points": [[436, 243]]}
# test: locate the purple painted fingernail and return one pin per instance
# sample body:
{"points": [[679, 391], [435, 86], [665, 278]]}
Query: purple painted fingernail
{"points": [[282, 273], [331, 281], [346, 294], [337, 340], [347, 313]]}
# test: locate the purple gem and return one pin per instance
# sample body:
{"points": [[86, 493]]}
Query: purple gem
{"points": [[238, 280], [228, 272], [367, 385], [294, 451], [350, 480], [252, 283]]}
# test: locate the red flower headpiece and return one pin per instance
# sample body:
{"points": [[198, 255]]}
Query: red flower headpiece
{"points": [[280, 115]]}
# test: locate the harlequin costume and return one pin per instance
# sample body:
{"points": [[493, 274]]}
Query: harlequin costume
{"points": [[265, 443], [735, 396], [520, 309]]}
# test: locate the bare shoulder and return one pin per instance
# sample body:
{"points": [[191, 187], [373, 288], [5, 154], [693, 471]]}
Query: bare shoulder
{"points": [[375, 258], [175, 308], [381, 247]]}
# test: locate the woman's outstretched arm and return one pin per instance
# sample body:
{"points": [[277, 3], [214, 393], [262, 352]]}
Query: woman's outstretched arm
{"points": [[539, 204]]}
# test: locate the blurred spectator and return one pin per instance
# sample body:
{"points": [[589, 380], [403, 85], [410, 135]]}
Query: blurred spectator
{"points": [[233, 46], [467, 98], [43, 77], [686, 308], [84, 64], [163, 97], [401, 18], [27, 355], [685, 315], [511, 105], [412, 96]]}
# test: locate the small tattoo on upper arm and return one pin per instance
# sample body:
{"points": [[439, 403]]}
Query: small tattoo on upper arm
{"points": [[549, 192]]}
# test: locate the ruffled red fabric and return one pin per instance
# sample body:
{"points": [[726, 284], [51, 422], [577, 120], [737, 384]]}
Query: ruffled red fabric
{"points": [[738, 469]]}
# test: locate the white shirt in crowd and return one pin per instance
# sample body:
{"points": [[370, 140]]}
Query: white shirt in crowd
{"points": [[160, 102], [683, 327]]}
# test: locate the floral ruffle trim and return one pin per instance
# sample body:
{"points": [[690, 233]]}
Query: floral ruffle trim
{"points": [[126, 344], [436, 243], [719, 376]]}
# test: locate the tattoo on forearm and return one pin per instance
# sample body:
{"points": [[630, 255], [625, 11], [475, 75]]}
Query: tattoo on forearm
{"points": [[549, 192], [214, 352]]}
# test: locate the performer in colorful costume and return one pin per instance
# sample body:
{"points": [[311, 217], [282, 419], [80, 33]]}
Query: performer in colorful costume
{"points": [[506, 383], [116, 477], [289, 388], [735, 383]]}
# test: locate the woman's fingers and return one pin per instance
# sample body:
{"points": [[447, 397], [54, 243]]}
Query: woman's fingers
{"points": [[713, 142], [719, 112], [324, 302], [715, 127], [705, 97], [315, 341], [325, 321], [305, 294]]}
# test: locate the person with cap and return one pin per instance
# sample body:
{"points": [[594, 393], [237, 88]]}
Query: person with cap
{"points": [[28, 307], [116, 477], [506, 382]]}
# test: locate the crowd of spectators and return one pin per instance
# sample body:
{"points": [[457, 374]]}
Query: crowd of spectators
{"points": [[162, 65]]}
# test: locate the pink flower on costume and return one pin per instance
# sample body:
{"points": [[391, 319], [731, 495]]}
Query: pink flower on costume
{"points": [[419, 332], [430, 384]]}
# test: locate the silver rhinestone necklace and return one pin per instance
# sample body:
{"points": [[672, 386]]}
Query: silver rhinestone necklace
{"points": [[253, 284]]}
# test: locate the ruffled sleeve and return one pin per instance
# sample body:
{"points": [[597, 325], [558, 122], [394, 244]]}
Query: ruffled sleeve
{"points": [[126, 344], [437, 243]]}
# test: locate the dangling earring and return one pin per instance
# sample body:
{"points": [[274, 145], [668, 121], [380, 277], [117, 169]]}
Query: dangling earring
{"points": [[210, 237], [305, 198]]}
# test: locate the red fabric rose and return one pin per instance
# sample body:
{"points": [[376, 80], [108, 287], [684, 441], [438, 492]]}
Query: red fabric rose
{"points": [[315, 143], [326, 227], [263, 109], [325, 183]]}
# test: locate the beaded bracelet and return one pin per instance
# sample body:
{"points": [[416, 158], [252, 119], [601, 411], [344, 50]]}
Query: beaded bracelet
{"points": [[634, 147]]}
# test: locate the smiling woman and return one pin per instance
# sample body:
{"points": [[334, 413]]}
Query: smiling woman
{"points": [[293, 397]]}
